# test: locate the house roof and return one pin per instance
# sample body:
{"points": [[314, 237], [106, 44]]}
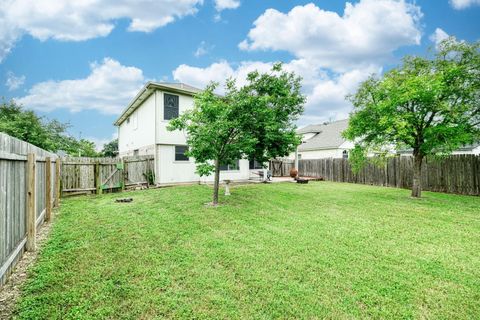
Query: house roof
{"points": [[148, 89], [326, 136]]}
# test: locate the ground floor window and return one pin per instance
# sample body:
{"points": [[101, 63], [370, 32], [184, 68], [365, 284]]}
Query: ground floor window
{"points": [[254, 164], [180, 153], [230, 167]]}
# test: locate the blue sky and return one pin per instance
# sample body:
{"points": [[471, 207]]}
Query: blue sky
{"points": [[82, 64]]}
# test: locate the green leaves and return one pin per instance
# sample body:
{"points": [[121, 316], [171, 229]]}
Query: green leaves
{"points": [[253, 121], [429, 105], [49, 135]]}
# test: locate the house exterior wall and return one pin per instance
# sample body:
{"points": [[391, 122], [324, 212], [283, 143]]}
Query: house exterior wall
{"points": [[147, 132], [474, 151], [319, 154], [164, 136], [139, 132], [324, 153], [170, 171]]}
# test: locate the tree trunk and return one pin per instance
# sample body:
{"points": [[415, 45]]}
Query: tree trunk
{"points": [[216, 183], [417, 175]]}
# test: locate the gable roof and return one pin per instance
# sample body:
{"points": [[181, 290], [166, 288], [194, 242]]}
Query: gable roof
{"points": [[148, 89], [326, 136]]}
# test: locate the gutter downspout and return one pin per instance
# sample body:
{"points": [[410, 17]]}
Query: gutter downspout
{"points": [[156, 164]]}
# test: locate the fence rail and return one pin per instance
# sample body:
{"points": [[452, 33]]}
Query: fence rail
{"points": [[29, 187], [453, 174]]}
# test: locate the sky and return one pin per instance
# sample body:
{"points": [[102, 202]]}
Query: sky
{"points": [[82, 62]]}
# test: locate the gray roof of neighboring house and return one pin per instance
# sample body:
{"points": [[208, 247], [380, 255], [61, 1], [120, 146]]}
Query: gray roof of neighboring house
{"points": [[148, 89], [327, 136]]}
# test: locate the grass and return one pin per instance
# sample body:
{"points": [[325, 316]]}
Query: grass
{"points": [[322, 250]]}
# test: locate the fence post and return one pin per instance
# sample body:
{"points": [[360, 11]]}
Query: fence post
{"points": [[123, 175], [98, 181], [48, 189], [31, 203], [58, 182]]}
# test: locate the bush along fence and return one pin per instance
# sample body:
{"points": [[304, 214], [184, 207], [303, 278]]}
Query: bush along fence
{"points": [[29, 188], [97, 175], [452, 174]]}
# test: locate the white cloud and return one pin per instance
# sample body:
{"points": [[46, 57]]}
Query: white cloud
{"points": [[325, 91], [332, 53], [438, 36], [203, 49], [326, 101], [368, 32], [226, 4], [13, 82], [108, 89], [101, 142], [82, 20], [463, 4]]}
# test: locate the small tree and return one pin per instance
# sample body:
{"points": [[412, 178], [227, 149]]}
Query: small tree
{"points": [[429, 105], [255, 121]]}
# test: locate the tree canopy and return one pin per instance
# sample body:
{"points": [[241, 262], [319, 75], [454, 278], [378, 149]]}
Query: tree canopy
{"points": [[110, 149], [50, 135], [428, 105], [255, 121]]}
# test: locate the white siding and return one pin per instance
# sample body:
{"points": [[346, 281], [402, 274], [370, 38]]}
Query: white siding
{"points": [[163, 135], [139, 132], [171, 171], [147, 129], [319, 154]]}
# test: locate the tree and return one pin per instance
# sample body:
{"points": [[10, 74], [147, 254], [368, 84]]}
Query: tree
{"points": [[255, 121], [431, 105], [110, 149], [49, 135]]}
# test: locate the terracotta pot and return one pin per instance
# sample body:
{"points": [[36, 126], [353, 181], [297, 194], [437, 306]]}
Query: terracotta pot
{"points": [[293, 173]]}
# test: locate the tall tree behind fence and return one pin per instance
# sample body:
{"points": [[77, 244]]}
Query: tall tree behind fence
{"points": [[29, 187], [453, 174]]}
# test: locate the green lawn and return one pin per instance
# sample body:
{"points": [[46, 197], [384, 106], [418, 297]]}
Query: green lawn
{"points": [[322, 250]]}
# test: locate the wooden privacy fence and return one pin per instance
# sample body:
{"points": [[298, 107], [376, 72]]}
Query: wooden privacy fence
{"points": [[281, 168], [453, 174], [95, 175], [29, 187]]}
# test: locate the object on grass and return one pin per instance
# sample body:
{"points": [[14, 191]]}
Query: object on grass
{"points": [[227, 187], [293, 173], [301, 180], [124, 200]]}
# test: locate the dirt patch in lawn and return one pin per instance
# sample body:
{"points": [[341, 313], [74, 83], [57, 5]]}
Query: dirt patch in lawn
{"points": [[11, 290]]}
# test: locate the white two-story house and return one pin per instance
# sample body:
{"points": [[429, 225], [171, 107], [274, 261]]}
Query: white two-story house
{"points": [[142, 130]]}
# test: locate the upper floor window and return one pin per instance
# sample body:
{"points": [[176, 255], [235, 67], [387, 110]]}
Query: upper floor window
{"points": [[170, 106], [345, 154], [230, 167], [180, 153]]}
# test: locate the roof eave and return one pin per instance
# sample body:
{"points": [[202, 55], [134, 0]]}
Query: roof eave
{"points": [[135, 103]]}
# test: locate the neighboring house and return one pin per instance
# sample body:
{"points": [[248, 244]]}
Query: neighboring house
{"points": [[468, 149], [324, 141], [142, 129]]}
